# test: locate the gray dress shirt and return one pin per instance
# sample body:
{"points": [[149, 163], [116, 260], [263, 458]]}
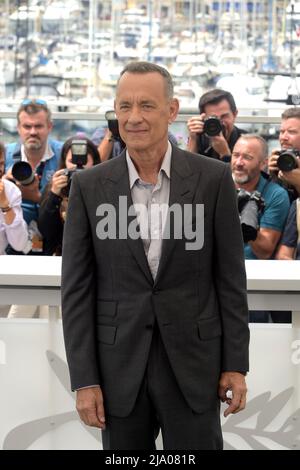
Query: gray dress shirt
{"points": [[151, 206]]}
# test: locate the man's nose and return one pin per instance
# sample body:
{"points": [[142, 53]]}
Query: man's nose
{"points": [[134, 115], [284, 135], [240, 161]]}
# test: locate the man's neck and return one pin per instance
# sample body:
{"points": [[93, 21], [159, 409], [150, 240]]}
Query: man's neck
{"points": [[251, 186], [147, 163], [34, 156]]}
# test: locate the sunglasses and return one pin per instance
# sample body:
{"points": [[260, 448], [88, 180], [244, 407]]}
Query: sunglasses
{"points": [[28, 101]]}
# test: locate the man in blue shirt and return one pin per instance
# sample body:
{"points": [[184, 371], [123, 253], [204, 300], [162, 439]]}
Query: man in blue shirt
{"points": [[289, 247], [249, 158], [36, 148]]}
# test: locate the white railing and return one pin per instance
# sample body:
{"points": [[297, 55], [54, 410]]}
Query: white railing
{"points": [[37, 409]]}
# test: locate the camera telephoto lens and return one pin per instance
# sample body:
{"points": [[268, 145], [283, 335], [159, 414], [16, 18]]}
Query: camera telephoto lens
{"points": [[287, 160], [248, 219], [22, 172], [212, 126]]}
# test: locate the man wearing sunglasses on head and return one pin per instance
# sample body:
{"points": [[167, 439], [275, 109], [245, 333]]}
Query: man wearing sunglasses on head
{"points": [[36, 148]]}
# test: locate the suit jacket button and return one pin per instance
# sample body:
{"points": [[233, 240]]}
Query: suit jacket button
{"points": [[149, 327]]}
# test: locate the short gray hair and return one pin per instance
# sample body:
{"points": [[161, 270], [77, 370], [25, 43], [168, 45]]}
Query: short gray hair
{"points": [[149, 67], [260, 140], [34, 107]]}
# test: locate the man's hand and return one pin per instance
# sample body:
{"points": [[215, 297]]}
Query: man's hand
{"points": [[292, 177], [59, 181], [89, 404], [220, 145], [31, 192], [235, 383], [272, 162], [8, 175], [195, 127], [3, 199]]}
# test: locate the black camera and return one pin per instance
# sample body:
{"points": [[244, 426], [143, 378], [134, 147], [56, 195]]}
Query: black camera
{"points": [[79, 158], [287, 160], [113, 124], [22, 172], [250, 205], [212, 126]]}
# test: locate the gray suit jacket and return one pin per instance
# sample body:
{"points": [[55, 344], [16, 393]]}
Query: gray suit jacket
{"points": [[110, 301]]}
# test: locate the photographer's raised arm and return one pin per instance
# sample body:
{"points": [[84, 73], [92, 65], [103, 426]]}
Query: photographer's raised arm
{"points": [[31, 192], [195, 127], [106, 146], [265, 244]]}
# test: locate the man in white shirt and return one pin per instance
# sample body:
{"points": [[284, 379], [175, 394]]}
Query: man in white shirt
{"points": [[13, 228]]}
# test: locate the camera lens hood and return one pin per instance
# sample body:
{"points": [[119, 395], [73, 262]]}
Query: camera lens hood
{"points": [[22, 172]]}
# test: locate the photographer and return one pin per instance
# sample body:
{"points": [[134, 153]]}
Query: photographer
{"points": [[13, 228], [289, 139], [284, 164], [249, 158], [289, 247], [54, 203], [210, 136]]}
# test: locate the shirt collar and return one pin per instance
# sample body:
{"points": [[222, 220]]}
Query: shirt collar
{"points": [[47, 155], [165, 166]]}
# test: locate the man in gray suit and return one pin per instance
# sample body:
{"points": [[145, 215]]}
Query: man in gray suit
{"points": [[154, 301]]}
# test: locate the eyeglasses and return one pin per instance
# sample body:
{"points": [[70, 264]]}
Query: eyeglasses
{"points": [[28, 101]]}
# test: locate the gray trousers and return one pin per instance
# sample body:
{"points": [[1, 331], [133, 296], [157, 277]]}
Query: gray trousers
{"points": [[161, 405]]}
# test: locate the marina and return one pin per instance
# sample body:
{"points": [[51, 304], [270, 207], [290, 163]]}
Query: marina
{"points": [[71, 53]]}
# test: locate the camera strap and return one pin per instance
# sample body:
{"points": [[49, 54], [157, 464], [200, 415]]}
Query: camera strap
{"points": [[39, 170], [17, 156]]}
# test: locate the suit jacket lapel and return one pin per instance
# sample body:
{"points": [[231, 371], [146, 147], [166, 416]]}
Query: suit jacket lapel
{"points": [[183, 184], [116, 186]]}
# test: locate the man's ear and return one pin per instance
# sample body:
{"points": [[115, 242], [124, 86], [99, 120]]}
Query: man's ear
{"points": [[174, 108], [264, 164]]}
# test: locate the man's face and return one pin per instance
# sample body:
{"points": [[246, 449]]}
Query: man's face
{"points": [[223, 112], [2, 162], [144, 111], [34, 129], [246, 161], [289, 134]]}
